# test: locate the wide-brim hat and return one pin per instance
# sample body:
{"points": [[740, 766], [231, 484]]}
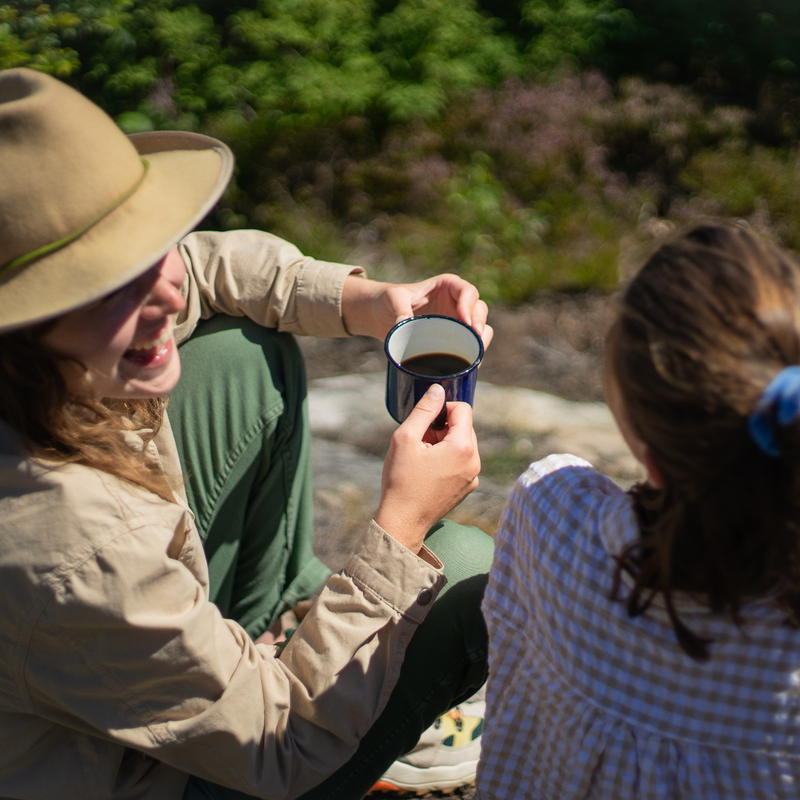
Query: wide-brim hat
{"points": [[85, 209]]}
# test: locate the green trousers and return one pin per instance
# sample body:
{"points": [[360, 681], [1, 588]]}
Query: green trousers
{"points": [[240, 423]]}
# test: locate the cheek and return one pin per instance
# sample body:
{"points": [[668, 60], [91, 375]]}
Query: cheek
{"points": [[120, 339], [100, 345]]}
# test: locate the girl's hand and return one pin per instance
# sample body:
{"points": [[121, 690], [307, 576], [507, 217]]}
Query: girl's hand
{"points": [[372, 308], [427, 473]]}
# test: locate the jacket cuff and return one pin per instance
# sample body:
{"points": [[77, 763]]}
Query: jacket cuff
{"points": [[319, 297], [403, 580]]}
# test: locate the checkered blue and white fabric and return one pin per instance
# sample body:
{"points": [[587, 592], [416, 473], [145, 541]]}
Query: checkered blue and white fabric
{"points": [[585, 702]]}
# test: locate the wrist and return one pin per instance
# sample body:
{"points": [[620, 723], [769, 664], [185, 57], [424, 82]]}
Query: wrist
{"points": [[408, 532], [358, 297]]}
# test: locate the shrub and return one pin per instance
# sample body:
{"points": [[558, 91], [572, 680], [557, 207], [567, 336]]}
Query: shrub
{"points": [[406, 127], [34, 35], [758, 184]]}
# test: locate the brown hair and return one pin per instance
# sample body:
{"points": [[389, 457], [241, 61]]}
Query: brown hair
{"points": [[707, 323], [57, 426]]}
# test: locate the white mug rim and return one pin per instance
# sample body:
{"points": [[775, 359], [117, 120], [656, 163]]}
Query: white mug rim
{"points": [[450, 376]]}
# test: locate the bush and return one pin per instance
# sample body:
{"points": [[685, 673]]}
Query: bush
{"points": [[406, 127], [723, 48], [33, 35], [751, 182], [532, 186]]}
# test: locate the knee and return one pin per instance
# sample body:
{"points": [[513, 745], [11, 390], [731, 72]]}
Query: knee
{"points": [[465, 551], [233, 339], [238, 349]]}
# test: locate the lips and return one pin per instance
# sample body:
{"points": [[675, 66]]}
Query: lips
{"points": [[151, 352]]}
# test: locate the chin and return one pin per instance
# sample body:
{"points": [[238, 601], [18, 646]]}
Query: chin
{"points": [[157, 388], [151, 383]]}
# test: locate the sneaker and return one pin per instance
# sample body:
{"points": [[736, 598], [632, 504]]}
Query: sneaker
{"points": [[446, 755]]}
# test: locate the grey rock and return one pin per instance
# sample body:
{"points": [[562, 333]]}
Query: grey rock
{"points": [[351, 430]]}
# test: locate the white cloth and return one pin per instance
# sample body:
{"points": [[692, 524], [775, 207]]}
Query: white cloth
{"points": [[585, 702]]}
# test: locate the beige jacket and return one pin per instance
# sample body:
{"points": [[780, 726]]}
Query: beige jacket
{"points": [[117, 675]]}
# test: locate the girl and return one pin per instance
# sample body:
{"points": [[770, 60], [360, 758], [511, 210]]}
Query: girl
{"points": [[646, 644], [119, 677]]}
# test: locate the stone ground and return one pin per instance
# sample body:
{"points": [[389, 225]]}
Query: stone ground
{"points": [[539, 391]]}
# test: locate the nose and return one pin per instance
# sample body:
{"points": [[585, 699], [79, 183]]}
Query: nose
{"points": [[164, 296]]}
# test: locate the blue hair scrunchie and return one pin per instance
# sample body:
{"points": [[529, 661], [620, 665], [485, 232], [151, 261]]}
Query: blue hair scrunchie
{"points": [[779, 405]]}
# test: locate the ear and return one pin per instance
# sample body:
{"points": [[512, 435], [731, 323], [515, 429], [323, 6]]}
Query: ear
{"points": [[654, 475]]}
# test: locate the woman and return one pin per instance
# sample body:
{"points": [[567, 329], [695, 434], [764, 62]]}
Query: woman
{"points": [[645, 644], [119, 677]]}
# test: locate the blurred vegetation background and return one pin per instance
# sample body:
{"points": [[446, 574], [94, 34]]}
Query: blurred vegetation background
{"points": [[527, 145]]}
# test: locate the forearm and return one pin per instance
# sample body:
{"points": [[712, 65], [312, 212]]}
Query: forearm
{"points": [[263, 277], [363, 310], [333, 678]]}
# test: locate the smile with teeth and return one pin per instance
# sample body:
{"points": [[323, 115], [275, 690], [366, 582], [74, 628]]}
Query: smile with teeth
{"points": [[148, 351]]}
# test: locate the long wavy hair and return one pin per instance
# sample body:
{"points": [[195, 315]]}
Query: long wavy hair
{"points": [[57, 426], [703, 328]]}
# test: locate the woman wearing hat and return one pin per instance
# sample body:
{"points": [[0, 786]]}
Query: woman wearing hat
{"points": [[143, 555]]}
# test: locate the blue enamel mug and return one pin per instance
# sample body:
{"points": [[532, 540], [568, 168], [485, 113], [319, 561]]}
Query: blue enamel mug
{"points": [[430, 349]]}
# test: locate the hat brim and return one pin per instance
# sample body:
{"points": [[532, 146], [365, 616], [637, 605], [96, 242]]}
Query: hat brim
{"points": [[188, 173]]}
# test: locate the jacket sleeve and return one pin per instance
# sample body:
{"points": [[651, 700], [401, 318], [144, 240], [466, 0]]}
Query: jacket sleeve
{"points": [[257, 275], [129, 649]]}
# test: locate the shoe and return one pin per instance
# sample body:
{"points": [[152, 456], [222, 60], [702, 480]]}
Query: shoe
{"points": [[446, 755]]}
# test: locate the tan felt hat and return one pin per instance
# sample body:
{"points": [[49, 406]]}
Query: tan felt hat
{"points": [[84, 208]]}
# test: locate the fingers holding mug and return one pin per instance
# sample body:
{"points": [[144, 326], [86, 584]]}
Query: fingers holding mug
{"points": [[430, 349], [423, 479]]}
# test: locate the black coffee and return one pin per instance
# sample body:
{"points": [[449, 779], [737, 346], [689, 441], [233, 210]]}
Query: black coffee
{"points": [[436, 365]]}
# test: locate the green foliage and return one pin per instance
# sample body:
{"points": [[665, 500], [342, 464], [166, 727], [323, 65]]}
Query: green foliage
{"points": [[430, 48], [751, 182], [32, 39], [534, 186], [481, 226], [729, 51], [459, 134], [574, 31], [739, 38], [508, 250], [328, 59], [35, 35], [308, 58], [291, 63]]}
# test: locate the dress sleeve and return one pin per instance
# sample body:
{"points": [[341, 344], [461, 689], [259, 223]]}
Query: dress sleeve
{"points": [[128, 648], [260, 276]]}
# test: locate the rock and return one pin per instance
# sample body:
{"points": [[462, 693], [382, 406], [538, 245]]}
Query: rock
{"points": [[348, 405], [351, 430], [584, 429]]}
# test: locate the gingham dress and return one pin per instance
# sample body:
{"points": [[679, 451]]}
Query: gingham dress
{"points": [[584, 702]]}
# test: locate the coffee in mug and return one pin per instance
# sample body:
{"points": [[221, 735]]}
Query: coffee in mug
{"points": [[430, 349]]}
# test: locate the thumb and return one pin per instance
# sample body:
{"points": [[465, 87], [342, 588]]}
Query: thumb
{"points": [[425, 411], [399, 301]]}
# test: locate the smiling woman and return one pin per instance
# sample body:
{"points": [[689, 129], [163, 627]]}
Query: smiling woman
{"points": [[147, 555], [122, 346]]}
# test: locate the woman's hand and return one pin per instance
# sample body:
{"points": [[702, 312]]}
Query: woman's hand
{"points": [[372, 308], [427, 473]]}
